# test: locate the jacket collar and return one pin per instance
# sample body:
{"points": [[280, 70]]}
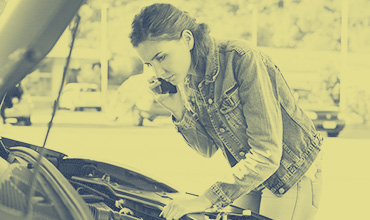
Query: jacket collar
{"points": [[212, 68], [213, 63]]}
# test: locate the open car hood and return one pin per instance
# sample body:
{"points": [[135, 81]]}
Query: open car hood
{"points": [[28, 31]]}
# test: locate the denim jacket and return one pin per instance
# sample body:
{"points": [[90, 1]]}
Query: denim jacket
{"points": [[243, 106]]}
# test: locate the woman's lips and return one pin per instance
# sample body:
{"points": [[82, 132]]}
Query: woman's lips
{"points": [[169, 78]]}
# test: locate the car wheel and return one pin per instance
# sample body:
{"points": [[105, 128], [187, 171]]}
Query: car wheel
{"points": [[72, 107], [138, 119], [333, 134], [27, 122]]}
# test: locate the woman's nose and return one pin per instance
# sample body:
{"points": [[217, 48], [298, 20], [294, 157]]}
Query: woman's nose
{"points": [[158, 69]]}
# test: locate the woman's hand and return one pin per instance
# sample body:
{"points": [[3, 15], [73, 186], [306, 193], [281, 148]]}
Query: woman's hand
{"points": [[172, 102], [178, 208]]}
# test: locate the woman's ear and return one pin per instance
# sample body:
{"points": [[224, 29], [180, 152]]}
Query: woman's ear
{"points": [[188, 38]]}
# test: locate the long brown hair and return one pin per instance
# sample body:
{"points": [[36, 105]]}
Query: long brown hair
{"points": [[166, 22]]}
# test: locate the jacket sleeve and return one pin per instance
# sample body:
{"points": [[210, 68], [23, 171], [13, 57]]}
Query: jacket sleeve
{"points": [[262, 112], [195, 134]]}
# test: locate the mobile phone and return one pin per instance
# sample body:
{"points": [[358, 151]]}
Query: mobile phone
{"points": [[166, 87]]}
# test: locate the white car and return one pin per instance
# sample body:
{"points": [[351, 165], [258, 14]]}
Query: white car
{"points": [[78, 96]]}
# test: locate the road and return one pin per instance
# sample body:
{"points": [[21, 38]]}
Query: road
{"points": [[159, 151]]}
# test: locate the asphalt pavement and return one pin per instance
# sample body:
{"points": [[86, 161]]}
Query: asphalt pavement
{"points": [[91, 117], [88, 117]]}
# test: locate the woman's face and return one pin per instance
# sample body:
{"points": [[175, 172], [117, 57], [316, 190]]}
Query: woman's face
{"points": [[171, 59]]}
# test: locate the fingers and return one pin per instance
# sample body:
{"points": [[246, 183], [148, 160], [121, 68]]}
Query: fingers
{"points": [[175, 215], [152, 79], [154, 84], [160, 97], [172, 212], [171, 101], [165, 210], [178, 208], [178, 215]]}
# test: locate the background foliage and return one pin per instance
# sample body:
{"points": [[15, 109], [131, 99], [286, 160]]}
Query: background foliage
{"points": [[314, 24], [309, 25], [300, 25]]}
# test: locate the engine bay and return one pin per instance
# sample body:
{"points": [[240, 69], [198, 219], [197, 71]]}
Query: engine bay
{"points": [[75, 188]]}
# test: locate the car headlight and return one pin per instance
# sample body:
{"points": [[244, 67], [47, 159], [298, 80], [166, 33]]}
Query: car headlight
{"points": [[311, 115], [15, 100]]}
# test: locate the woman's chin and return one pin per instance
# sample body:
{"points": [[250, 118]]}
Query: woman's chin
{"points": [[175, 81]]}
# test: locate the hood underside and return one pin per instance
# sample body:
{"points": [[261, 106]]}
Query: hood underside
{"points": [[28, 31]]}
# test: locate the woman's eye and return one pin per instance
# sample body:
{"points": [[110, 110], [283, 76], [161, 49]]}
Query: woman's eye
{"points": [[161, 58], [148, 64]]}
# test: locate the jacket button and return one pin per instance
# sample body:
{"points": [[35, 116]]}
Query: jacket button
{"points": [[281, 190], [241, 153], [222, 130], [210, 101]]}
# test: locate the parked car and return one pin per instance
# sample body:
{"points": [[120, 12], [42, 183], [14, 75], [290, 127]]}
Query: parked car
{"points": [[326, 117], [78, 96], [17, 106], [37, 183]]}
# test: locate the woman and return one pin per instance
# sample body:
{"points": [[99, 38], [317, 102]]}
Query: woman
{"points": [[233, 98]]}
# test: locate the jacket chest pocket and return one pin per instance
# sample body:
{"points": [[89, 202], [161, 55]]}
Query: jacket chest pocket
{"points": [[231, 108]]}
